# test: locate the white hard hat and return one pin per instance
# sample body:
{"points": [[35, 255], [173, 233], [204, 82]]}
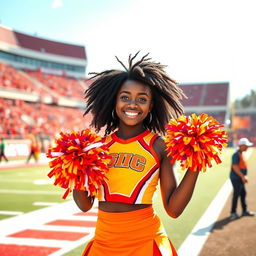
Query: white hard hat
{"points": [[245, 141]]}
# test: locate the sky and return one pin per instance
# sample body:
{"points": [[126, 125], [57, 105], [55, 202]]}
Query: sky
{"points": [[199, 40]]}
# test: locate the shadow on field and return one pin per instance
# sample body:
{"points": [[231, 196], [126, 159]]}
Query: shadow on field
{"points": [[221, 223], [218, 225]]}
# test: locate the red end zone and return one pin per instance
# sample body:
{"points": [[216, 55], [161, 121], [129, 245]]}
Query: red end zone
{"points": [[24, 250], [79, 223], [42, 234]]}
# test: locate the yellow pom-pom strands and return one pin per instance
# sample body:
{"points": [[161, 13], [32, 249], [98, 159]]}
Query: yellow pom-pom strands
{"points": [[195, 141], [79, 162]]}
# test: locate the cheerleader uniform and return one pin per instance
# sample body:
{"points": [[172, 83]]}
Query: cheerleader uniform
{"points": [[132, 178]]}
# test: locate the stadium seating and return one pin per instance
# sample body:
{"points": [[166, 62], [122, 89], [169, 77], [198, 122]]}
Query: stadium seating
{"points": [[194, 94], [216, 94], [19, 118], [64, 86], [205, 94], [11, 78]]}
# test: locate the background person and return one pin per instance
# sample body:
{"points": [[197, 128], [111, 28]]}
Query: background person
{"points": [[2, 149], [238, 177], [34, 148]]}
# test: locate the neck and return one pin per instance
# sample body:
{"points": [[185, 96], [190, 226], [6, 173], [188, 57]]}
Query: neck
{"points": [[129, 132]]}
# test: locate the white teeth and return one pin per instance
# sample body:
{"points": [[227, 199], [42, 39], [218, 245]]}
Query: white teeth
{"points": [[131, 114]]}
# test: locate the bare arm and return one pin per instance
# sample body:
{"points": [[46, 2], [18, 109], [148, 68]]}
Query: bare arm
{"points": [[175, 198], [83, 201], [237, 170]]}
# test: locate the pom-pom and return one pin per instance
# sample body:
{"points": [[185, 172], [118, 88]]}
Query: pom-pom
{"points": [[195, 141], [80, 161]]}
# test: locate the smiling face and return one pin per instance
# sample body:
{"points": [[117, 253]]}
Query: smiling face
{"points": [[133, 103]]}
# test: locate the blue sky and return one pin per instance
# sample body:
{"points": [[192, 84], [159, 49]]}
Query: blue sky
{"points": [[198, 40]]}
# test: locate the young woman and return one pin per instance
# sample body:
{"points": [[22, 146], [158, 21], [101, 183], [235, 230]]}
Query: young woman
{"points": [[134, 106]]}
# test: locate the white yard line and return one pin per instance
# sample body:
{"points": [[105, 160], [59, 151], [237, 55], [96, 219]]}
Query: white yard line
{"points": [[194, 242], [63, 228], [196, 239], [37, 182], [3, 180], [22, 191], [10, 213], [45, 203], [79, 218]]}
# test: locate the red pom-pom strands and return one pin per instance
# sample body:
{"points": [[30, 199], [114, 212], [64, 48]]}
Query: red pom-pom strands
{"points": [[195, 141], [80, 161]]}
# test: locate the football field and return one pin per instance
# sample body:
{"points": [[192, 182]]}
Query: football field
{"points": [[25, 189]]}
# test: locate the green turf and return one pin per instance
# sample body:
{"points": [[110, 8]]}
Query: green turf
{"points": [[75, 252], [23, 179]]}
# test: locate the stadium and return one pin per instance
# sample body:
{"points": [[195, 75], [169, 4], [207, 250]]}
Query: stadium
{"points": [[49, 77], [42, 84]]}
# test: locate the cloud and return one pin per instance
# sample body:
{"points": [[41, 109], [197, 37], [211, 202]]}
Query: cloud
{"points": [[57, 4]]}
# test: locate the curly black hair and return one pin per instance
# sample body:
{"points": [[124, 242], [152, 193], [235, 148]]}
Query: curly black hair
{"points": [[166, 94]]}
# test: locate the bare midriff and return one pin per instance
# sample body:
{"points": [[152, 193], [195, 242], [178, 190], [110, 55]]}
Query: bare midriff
{"points": [[120, 207]]}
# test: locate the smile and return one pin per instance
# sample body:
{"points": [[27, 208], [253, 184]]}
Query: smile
{"points": [[131, 114]]}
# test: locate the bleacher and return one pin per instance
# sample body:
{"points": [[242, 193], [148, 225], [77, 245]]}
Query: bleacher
{"points": [[20, 117], [194, 94], [64, 86], [217, 94], [210, 98], [11, 78]]}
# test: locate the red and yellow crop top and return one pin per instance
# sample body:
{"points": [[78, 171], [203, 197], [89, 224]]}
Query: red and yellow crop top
{"points": [[133, 171]]}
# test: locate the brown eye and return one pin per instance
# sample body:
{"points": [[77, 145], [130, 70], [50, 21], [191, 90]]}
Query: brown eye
{"points": [[142, 100], [124, 98]]}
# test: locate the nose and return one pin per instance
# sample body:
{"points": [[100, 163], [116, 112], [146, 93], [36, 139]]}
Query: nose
{"points": [[133, 103]]}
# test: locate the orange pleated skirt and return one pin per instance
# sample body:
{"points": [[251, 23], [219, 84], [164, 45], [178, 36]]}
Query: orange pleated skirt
{"points": [[135, 233]]}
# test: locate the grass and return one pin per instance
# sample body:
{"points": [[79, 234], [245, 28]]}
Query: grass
{"points": [[31, 180], [78, 251], [19, 189]]}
